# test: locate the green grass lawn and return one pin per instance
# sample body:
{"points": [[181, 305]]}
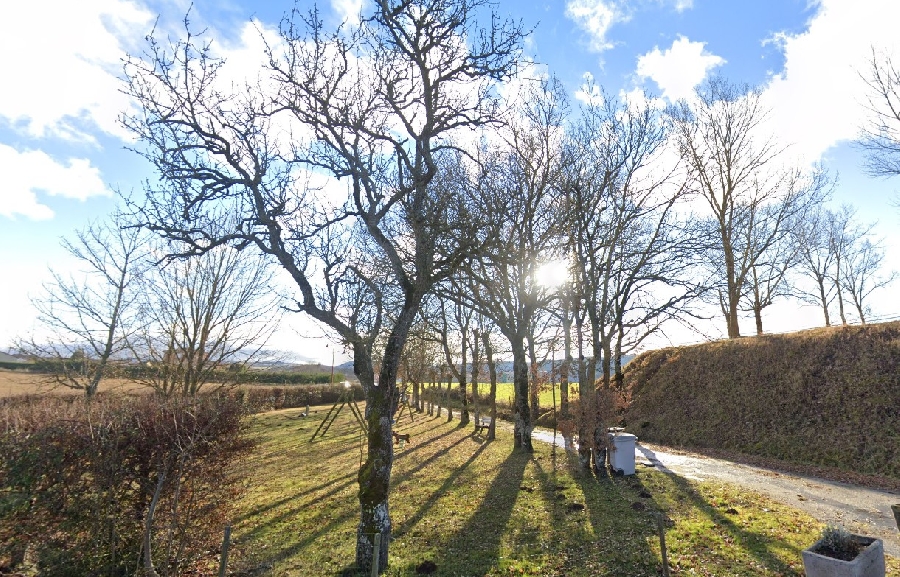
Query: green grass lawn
{"points": [[505, 394], [476, 508]]}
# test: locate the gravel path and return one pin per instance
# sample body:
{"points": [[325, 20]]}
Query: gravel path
{"points": [[861, 510]]}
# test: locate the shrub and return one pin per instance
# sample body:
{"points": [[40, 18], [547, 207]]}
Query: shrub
{"points": [[258, 399], [86, 485]]}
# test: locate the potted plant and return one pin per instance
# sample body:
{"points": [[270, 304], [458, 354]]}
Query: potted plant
{"points": [[839, 553]]}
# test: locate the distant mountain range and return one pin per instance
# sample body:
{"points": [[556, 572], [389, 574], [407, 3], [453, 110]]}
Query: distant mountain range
{"points": [[6, 358]]}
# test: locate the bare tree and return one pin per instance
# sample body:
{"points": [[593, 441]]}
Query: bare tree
{"points": [[812, 237], [863, 274], [629, 254], [734, 168], [86, 321], [419, 359], [844, 235], [520, 190], [201, 317], [455, 318], [492, 377], [881, 136], [374, 107]]}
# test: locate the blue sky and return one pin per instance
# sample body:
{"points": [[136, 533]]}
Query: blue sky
{"points": [[62, 151]]}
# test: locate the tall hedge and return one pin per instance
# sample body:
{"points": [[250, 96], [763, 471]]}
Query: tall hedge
{"points": [[826, 397]]}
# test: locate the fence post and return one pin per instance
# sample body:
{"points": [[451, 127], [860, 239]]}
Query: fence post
{"points": [[226, 542], [662, 543], [376, 553]]}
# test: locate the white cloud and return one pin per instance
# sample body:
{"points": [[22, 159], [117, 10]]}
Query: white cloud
{"points": [[29, 172], [678, 69], [59, 64], [682, 5], [589, 92], [817, 100], [596, 17], [348, 10]]}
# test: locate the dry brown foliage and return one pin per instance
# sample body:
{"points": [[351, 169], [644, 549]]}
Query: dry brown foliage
{"points": [[827, 397]]}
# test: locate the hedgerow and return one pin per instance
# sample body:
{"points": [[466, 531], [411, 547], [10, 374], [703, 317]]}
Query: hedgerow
{"points": [[85, 486]]}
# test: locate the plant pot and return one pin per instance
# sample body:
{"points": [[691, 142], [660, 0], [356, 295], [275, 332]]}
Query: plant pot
{"points": [[869, 562], [896, 510]]}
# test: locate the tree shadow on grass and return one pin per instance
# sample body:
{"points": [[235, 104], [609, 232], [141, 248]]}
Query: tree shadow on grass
{"points": [[755, 544], [335, 516], [476, 546], [351, 480], [617, 538], [436, 495]]}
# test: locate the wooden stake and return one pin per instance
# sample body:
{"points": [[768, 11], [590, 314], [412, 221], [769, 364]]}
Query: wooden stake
{"points": [[662, 543], [226, 542], [376, 552]]}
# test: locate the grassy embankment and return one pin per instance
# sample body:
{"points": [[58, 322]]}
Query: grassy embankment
{"points": [[826, 397], [475, 508]]}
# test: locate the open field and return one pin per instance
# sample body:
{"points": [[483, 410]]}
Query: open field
{"points": [[505, 393], [13, 383], [476, 508]]}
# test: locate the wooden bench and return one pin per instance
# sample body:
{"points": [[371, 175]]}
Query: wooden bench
{"points": [[482, 424]]}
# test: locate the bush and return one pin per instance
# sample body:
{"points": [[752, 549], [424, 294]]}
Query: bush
{"points": [[259, 399], [84, 484]]}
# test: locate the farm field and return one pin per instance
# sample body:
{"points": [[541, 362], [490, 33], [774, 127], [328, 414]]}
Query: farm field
{"points": [[476, 508], [14, 383], [505, 393]]}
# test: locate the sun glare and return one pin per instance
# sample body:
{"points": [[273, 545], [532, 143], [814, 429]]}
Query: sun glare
{"points": [[552, 274]]}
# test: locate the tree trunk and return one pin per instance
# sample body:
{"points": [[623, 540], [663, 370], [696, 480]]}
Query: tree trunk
{"points": [[476, 366], [566, 364], [439, 395], [757, 304], [837, 286], [822, 296], [523, 423], [859, 309], [606, 362], [449, 390], [585, 402], [375, 473], [619, 382], [492, 371], [840, 298], [534, 389], [381, 405], [734, 292]]}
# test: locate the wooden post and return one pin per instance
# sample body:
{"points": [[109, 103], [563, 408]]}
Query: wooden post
{"points": [[226, 542], [376, 553], [662, 543]]}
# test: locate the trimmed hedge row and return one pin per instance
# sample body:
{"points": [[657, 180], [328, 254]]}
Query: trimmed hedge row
{"points": [[259, 399], [826, 397], [224, 375]]}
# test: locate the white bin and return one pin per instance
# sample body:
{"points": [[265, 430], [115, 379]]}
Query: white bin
{"points": [[621, 454]]}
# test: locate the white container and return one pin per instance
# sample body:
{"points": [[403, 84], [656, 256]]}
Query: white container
{"points": [[621, 452]]}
